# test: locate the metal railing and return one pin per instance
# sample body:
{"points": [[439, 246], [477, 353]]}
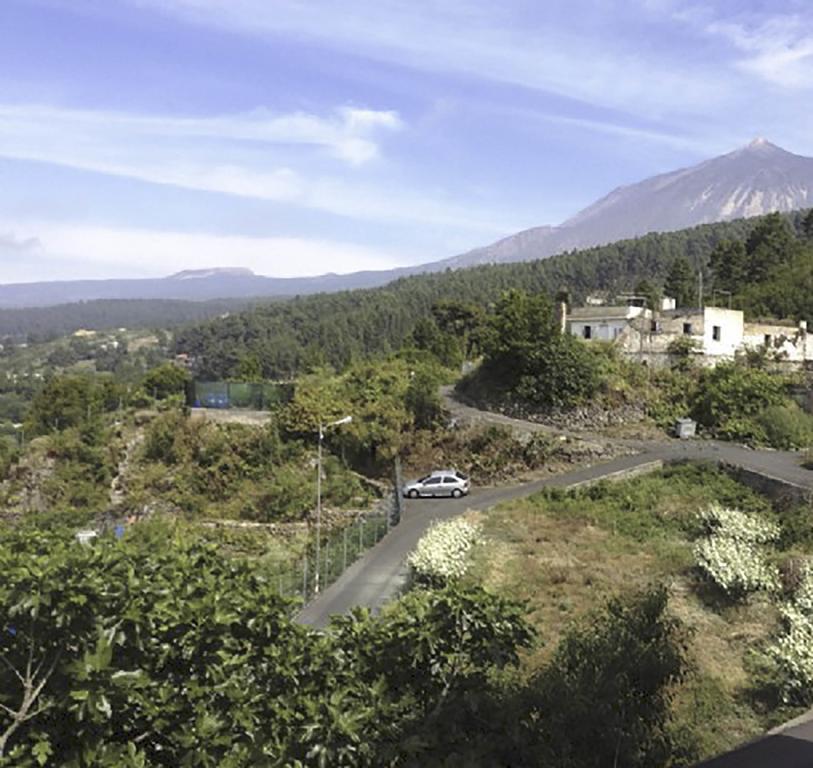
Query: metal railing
{"points": [[338, 551]]}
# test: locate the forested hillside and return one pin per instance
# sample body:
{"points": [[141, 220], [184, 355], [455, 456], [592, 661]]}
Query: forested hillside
{"points": [[45, 323], [283, 338]]}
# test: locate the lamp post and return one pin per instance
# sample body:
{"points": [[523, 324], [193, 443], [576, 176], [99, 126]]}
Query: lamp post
{"points": [[322, 428]]}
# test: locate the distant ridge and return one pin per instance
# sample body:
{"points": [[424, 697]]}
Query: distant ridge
{"points": [[756, 179], [198, 274]]}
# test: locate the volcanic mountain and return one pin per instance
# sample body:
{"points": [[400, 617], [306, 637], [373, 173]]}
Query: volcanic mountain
{"points": [[757, 179], [753, 180]]}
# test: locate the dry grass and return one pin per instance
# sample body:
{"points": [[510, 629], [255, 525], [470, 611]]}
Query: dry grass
{"points": [[562, 568], [565, 556]]}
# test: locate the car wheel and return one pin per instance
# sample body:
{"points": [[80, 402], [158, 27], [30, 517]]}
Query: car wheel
{"points": [[457, 493], [413, 494]]}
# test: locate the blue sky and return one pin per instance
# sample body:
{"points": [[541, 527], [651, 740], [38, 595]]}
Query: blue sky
{"points": [[296, 137]]}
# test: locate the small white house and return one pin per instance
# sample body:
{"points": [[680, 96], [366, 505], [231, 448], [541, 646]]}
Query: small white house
{"points": [[597, 323]]}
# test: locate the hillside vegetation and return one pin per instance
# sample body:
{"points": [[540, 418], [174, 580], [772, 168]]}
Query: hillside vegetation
{"points": [[36, 324], [286, 337]]}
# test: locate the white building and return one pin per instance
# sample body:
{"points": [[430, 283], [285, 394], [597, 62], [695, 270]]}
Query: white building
{"points": [[716, 333], [599, 323]]}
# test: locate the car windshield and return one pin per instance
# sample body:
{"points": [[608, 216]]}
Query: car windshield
{"points": [[423, 479]]}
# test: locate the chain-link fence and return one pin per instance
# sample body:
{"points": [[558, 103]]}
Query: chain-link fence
{"points": [[258, 396], [339, 550]]}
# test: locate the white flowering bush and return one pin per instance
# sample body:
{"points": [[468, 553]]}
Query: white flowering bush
{"points": [[731, 554], [443, 551], [792, 652], [717, 520], [803, 596], [736, 567]]}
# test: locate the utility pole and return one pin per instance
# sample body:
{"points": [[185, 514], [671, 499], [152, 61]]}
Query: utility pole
{"points": [[700, 288], [318, 508], [322, 427]]}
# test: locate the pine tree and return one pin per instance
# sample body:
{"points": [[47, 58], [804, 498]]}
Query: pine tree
{"points": [[681, 283]]}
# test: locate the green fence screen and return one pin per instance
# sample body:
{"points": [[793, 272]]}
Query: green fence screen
{"points": [[258, 396]]}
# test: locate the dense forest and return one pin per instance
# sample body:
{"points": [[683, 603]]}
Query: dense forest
{"points": [[46, 323], [284, 338]]}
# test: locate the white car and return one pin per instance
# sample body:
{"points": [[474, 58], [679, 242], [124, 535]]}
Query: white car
{"points": [[442, 482]]}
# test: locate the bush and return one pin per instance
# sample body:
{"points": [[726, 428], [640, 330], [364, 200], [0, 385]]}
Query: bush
{"points": [[730, 397], [731, 553], [165, 380], [733, 524], [736, 567], [442, 554], [786, 426], [527, 358], [605, 697], [792, 652], [288, 494]]}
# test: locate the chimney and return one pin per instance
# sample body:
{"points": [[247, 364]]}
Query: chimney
{"points": [[803, 326]]}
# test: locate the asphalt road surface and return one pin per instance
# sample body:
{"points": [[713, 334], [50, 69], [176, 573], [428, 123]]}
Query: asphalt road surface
{"points": [[380, 574]]}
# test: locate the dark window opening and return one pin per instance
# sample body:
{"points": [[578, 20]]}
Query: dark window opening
{"points": [[767, 339], [687, 329], [716, 332], [587, 332]]}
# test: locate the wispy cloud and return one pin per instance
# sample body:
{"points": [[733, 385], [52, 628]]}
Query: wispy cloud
{"points": [[348, 133], [74, 251], [496, 42], [16, 247], [251, 155], [778, 48]]}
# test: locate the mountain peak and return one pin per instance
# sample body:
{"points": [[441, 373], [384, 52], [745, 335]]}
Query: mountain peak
{"points": [[761, 144]]}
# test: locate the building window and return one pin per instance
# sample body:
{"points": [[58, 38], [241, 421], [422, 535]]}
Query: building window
{"points": [[687, 329], [655, 326], [767, 339], [616, 332], [716, 332], [587, 331]]}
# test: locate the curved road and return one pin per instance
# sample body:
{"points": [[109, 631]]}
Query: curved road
{"points": [[380, 573]]}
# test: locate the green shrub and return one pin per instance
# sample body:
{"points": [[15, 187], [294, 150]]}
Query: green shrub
{"points": [[786, 426], [165, 380], [605, 697], [731, 397], [527, 358], [287, 494]]}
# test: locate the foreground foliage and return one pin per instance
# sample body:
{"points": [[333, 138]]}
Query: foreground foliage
{"points": [[157, 651]]}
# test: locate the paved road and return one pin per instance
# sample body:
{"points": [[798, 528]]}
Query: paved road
{"points": [[380, 574]]}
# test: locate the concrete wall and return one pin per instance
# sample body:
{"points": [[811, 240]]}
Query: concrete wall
{"points": [[730, 325], [774, 488], [607, 330], [786, 342]]}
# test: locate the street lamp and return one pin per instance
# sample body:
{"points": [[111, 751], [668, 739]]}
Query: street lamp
{"points": [[322, 428]]}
